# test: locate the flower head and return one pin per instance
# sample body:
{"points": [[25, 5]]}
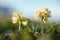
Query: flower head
{"points": [[14, 20], [25, 22], [38, 15], [16, 13], [45, 19], [15, 17], [45, 10]]}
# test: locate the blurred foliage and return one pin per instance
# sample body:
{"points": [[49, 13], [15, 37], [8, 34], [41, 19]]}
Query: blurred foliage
{"points": [[31, 31]]}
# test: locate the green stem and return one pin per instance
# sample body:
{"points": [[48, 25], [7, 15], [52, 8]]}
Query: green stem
{"points": [[19, 26], [42, 28]]}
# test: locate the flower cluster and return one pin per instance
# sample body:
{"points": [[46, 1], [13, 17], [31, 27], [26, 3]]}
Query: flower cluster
{"points": [[15, 17], [43, 15]]}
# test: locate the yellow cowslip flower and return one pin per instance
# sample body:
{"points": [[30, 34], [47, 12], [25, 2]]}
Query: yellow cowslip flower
{"points": [[16, 13], [47, 14], [15, 19], [25, 22], [45, 19], [45, 10], [38, 15], [44, 14]]}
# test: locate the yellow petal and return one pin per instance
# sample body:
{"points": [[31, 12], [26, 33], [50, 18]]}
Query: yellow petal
{"points": [[14, 19], [45, 19], [38, 14], [45, 14], [16, 13], [45, 10], [24, 23]]}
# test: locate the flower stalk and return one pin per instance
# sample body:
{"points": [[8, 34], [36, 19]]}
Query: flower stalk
{"points": [[44, 17], [19, 26], [42, 28]]}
